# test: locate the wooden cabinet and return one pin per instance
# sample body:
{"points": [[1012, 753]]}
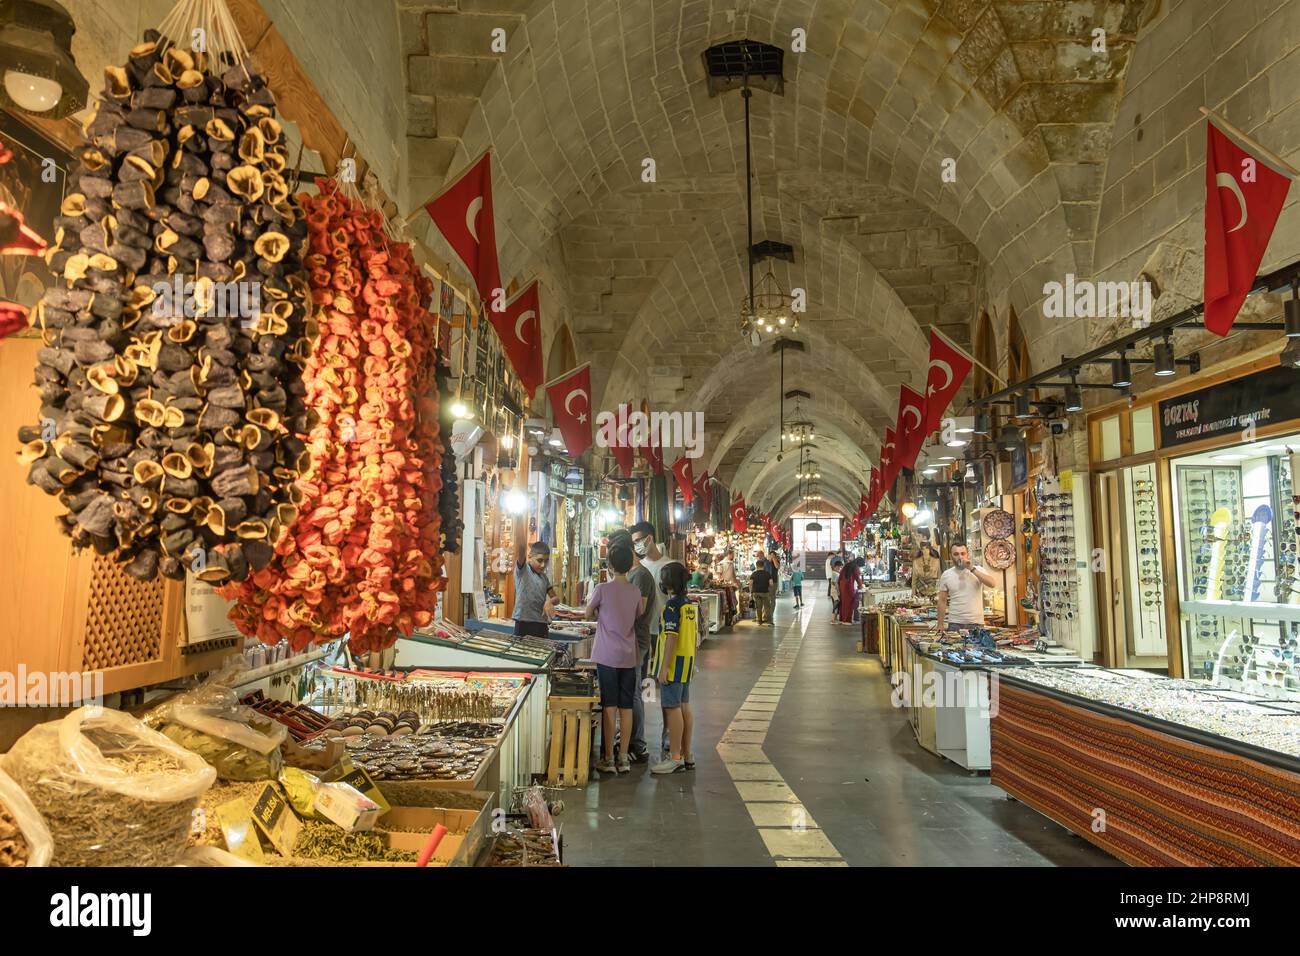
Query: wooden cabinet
{"points": [[68, 612]]}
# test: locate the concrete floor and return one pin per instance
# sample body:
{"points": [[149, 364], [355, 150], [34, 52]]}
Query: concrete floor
{"points": [[847, 754]]}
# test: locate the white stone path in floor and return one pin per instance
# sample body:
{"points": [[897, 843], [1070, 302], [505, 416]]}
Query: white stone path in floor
{"points": [[788, 830]]}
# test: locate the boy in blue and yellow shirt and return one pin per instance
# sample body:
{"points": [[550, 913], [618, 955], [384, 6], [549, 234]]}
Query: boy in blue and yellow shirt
{"points": [[673, 663]]}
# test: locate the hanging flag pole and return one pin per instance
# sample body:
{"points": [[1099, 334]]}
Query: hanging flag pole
{"points": [[415, 213], [561, 378], [1280, 165], [973, 360]]}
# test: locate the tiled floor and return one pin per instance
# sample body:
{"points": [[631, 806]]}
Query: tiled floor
{"points": [[871, 796]]}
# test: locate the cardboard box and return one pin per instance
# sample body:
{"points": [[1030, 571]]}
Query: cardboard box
{"points": [[346, 807]]}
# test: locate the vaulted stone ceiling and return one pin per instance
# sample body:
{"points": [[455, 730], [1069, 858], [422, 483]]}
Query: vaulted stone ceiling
{"points": [[847, 168]]}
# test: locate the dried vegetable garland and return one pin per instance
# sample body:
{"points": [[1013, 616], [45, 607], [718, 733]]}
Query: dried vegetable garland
{"points": [[364, 558], [171, 378]]}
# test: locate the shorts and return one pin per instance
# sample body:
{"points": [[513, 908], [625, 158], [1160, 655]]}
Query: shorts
{"points": [[674, 694], [617, 686], [532, 628], [798, 591]]}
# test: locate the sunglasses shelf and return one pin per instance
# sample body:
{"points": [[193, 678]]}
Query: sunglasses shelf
{"points": [[1057, 563], [1146, 573]]}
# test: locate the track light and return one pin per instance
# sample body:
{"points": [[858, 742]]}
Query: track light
{"points": [[982, 424], [1073, 398], [1009, 437], [970, 471], [1291, 313], [1022, 405], [1121, 373], [1164, 358]]}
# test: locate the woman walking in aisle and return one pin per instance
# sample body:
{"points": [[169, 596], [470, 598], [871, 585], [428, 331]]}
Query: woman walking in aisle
{"points": [[850, 585], [615, 605]]}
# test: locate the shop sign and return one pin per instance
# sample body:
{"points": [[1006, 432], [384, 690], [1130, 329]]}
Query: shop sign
{"points": [[465, 434], [1264, 398]]}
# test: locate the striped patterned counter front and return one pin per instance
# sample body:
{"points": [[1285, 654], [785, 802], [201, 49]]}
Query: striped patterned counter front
{"points": [[1149, 797]]}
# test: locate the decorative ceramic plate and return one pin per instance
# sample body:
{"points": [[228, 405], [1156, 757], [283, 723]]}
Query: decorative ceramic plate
{"points": [[999, 524], [999, 554]]}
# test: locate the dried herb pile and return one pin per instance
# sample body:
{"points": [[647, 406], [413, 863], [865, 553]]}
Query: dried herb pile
{"points": [[124, 795], [365, 556], [168, 423], [13, 845]]}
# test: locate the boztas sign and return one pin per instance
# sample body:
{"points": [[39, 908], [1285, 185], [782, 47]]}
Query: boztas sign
{"points": [[1265, 398]]}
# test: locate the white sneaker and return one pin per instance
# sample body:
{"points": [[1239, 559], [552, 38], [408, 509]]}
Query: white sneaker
{"points": [[669, 766], [605, 765], [624, 763], [689, 760]]}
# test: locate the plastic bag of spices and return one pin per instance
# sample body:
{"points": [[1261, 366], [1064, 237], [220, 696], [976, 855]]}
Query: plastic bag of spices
{"points": [[111, 791], [24, 838], [209, 720]]}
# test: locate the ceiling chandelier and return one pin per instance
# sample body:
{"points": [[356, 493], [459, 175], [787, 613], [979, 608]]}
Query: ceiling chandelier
{"points": [[767, 309], [799, 432]]}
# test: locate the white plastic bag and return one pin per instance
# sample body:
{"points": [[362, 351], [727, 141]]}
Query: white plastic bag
{"points": [[212, 856], [30, 824], [209, 720], [111, 791]]}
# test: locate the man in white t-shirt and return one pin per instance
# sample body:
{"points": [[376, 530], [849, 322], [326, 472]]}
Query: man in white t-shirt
{"points": [[960, 598]]}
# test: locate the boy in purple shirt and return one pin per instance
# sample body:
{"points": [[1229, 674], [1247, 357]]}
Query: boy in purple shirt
{"points": [[615, 606]]}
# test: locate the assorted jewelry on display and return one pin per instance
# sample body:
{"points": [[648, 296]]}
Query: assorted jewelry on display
{"points": [[1059, 579]]}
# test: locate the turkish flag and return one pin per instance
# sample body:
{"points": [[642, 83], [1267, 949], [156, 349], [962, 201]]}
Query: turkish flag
{"points": [[948, 368], [463, 214], [622, 448], [874, 494], [570, 397], [888, 459], [519, 327], [652, 452], [704, 492], [682, 471], [1243, 199], [911, 419], [739, 520]]}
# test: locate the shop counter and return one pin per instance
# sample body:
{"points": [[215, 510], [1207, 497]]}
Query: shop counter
{"points": [[1151, 791]]}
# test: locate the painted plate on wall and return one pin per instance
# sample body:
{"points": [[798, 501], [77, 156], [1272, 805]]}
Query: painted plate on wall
{"points": [[999, 554], [999, 524]]}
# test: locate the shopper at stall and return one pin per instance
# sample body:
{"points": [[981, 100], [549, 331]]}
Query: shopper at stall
{"points": [[644, 579], [655, 559], [761, 586], [674, 664], [850, 587], [796, 587], [960, 598], [534, 595], [614, 606], [774, 565], [834, 565]]}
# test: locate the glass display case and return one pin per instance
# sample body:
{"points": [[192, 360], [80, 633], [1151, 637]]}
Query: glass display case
{"points": [[1235, 529]]}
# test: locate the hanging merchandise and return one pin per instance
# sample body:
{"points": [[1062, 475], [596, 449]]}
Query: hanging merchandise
{"points": [[448, 499], [659, 508], [364, 557], [170, 382]]}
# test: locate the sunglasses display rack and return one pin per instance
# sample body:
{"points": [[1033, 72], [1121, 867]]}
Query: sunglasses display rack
{"points": [[1284, 589], [1148, 600], [1058, 581]]}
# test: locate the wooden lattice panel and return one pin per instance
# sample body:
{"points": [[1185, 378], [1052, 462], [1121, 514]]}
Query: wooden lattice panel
{"points": [[124, 618]]}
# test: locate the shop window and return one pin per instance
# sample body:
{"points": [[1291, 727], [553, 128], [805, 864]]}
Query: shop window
{"points": [[827, 539], [1111, 447], [1235, 529], [1142, 422]]}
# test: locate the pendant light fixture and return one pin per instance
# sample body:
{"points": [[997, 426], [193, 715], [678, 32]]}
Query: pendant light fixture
{"points": [[40, 74], [1073, 394], [1121, 372]]}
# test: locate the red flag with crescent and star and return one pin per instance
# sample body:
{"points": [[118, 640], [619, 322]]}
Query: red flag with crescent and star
{"points": [[570, 397], [1243, 198], [653, 454], [463, 214], [704, 492], [874, 494], [622, 448], [519, 327], [682, 471], [948, 368], [888, 458], [911, 419], [739, 519]]}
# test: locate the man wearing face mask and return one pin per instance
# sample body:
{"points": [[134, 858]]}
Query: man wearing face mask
{"points": [[652, 557]]}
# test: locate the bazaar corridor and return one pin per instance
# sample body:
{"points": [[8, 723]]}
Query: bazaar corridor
{"points": [[823, 750]]}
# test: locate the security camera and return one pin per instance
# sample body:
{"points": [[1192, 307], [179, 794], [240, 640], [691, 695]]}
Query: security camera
{"points": [[1061, 427]]}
